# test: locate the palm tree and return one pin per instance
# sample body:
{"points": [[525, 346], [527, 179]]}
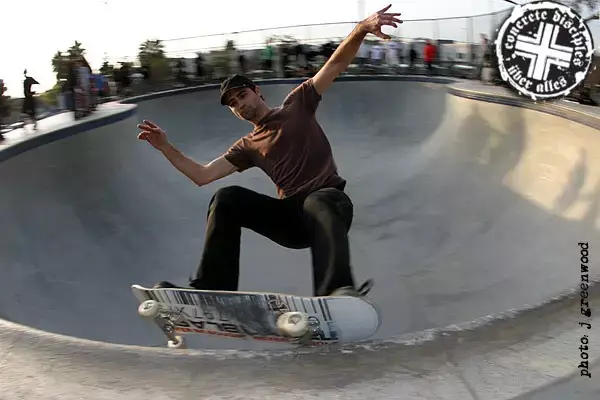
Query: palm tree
{"points": [[150, 50], [58, 62], [76, 50]]}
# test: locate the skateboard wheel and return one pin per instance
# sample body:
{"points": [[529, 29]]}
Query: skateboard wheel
{"points": [[149, 309], [180, 344], [294, 324]]}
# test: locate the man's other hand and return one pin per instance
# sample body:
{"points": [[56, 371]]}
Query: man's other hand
{"points": [[376, 21], [153, 134]]}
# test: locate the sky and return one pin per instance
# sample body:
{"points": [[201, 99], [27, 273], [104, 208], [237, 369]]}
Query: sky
{"points": [[113, 29]]}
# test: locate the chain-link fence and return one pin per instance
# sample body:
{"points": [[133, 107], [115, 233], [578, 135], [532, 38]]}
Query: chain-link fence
{"points": [[298, 51], [458, 41], [453, 29]]}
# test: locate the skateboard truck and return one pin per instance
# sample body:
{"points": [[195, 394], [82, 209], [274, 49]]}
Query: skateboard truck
{"points": [[304, 340], [151, 309]]}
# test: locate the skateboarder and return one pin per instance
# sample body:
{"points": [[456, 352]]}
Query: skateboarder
{"points": [[289, 145]]}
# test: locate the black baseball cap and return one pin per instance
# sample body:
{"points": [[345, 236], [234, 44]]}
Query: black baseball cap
{"points": [[235, 82]]}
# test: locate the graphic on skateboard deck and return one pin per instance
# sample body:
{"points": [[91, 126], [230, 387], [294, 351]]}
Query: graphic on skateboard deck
{"points": [[273, 317]]}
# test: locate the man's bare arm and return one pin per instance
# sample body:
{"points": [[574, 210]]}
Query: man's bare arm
{"points": [[339, 61], [346, 51], [199, 174]]}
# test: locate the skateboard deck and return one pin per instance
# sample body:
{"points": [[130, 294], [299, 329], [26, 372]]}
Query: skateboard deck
{"points": [[272, 317]]}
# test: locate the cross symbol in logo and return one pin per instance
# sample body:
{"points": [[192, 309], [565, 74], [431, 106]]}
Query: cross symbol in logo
{"points": [[542, 51]]}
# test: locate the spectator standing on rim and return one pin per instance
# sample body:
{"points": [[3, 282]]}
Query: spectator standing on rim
{"points": [[429, 55], [29, 106]]}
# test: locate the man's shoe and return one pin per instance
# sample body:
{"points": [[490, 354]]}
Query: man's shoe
{"points": [[350, 291], [345, 291]]}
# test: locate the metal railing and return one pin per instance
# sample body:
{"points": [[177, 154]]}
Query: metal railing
{"points": [[465, 29], [458, 39], [462, 29]]}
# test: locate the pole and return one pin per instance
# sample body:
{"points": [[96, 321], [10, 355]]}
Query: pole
{"points": [[470, 40], [493, 18]]}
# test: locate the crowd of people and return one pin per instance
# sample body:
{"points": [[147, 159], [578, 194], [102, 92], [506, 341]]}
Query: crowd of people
{"points": [[291, 58], [301, 59]]}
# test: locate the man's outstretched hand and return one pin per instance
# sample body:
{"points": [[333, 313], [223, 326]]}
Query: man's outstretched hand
{"points": [[373, 23], [153, 134]]}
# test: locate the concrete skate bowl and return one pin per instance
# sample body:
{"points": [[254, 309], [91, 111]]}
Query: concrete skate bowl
{"points": [[463, 210]]}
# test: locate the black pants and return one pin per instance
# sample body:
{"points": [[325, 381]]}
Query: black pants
{"points": [[28, 107], [319, 221]]}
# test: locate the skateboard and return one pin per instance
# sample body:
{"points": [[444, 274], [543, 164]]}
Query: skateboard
{"points": [[271, 317]]}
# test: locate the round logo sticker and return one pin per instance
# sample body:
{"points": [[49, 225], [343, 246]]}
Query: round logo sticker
{"points": [[544, 50]]}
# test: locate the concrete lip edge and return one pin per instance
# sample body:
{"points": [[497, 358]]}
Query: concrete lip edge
{"points": [[115, 113], [462, 364], [430, 337], [582, 116]]}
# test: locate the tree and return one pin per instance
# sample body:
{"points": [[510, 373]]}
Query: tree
{"points": [[60, 60], [151, 50], [106, 68], [152, 56], [76, 50]]}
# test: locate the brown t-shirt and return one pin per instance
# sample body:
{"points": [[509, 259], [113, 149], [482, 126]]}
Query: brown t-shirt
{"points": [[289, 145]]}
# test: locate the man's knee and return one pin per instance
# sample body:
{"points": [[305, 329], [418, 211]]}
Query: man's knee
{"points": [[228, 196], [330, 201]]}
